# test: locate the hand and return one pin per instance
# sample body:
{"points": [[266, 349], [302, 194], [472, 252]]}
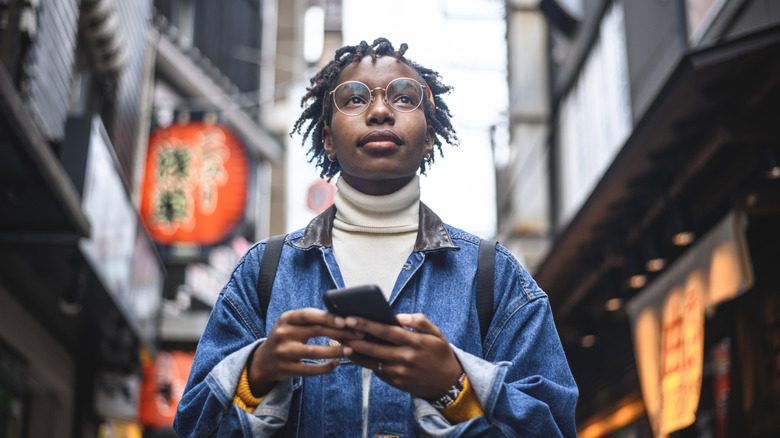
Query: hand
{"points": [[280, 356], [421, 362]]}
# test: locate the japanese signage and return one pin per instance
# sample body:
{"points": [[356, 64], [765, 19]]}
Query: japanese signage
{"points": [[195, 186], [668, 323], [163, 386]]}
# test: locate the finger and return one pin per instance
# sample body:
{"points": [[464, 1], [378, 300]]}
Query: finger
{"points": [[373, 350], [419, 322], [297, 352], [346, 336], [387, 332], [302, 333], [361, 359], [314, 331], [308, 316], [368, 362]]}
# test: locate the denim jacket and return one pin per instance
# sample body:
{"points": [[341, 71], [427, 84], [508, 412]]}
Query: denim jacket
{"points": [[519, 373]]}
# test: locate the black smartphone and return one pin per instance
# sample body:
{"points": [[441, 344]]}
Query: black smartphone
{"points": [[363, 301]]}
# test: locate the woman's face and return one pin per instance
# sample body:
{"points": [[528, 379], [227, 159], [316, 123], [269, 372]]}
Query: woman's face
{"points": [[379, 150]]}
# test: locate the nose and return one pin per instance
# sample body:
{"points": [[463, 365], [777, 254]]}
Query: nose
{"points": [[379, 110]]}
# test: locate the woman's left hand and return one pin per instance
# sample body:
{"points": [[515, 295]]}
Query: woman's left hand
{"points": [[421, 362]]}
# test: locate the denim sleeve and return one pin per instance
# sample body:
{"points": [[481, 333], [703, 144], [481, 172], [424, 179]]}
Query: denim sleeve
{"points": [[525, 385], [232, 333]]}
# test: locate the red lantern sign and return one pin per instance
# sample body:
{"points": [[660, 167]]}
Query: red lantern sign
{"points": [[195, 186], [163, 386]]}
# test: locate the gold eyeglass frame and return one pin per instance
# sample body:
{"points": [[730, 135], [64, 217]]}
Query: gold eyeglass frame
{"points": [[384, 95]]}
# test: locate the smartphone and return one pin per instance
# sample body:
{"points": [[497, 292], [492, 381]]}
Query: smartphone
{"points": [[363, 301]]}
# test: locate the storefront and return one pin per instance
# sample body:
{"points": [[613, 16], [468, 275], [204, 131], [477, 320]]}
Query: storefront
{"points": [[680, 338], [80, 283]]}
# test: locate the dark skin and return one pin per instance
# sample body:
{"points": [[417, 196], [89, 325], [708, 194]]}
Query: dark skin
{"points": [[370, 161], [421, 361]]}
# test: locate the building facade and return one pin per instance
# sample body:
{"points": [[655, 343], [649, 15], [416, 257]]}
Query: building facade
{"points": [[87, 285], [81, 279], [642, 193]]}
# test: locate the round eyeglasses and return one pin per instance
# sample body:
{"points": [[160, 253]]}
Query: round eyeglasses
{"points": [[354, 97]]}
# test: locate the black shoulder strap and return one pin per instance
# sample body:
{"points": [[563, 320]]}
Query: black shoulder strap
{"points": [[268, 265], [486, 268]]}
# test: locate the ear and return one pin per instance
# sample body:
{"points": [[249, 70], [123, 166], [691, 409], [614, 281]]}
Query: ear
{"points": [[327, 140], [430, 137]]}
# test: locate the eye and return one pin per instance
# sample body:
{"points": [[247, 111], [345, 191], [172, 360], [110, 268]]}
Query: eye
{"points": [[355, 100], [406, 100]]}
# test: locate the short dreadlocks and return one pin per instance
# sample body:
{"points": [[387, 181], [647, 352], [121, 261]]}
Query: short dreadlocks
{"points": [[318, 111]]}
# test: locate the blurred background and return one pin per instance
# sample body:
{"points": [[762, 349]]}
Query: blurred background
{"points": [[625, 151]]}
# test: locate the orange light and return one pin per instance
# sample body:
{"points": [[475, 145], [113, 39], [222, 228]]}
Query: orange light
{"points": [[683, 238], [588, 341], [613, 304], [656, 264], [637, 281], [615, 421]]}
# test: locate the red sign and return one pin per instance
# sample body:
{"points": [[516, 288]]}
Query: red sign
{"points": [[320, 196], [195, 186], [163, 386]]}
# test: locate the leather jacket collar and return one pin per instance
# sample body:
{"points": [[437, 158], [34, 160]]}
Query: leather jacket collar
{"points": [[432, 235]]}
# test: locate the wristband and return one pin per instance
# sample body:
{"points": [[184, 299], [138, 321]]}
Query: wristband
{"points": [[452, 394]]}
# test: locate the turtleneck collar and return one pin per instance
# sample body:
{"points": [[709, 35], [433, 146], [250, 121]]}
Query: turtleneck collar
{"points": [[396, 212]]}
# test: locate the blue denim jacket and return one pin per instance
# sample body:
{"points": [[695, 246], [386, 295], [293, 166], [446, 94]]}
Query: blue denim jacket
{"points": [[519, 373]]}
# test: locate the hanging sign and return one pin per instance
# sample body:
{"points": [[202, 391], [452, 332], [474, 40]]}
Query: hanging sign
{"points": [[162, 387], [195, 186], [668, 322]]}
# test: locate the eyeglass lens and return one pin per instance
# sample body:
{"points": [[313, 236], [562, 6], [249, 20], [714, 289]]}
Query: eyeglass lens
{"points": [[353, 97]]}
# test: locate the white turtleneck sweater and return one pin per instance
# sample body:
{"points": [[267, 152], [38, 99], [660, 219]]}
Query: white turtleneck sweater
{"points": [[374, 235], [372, 239]]}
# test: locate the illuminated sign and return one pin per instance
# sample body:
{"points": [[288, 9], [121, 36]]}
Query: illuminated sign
{"points": [[668, 323], [195, 186], [162, 387]]}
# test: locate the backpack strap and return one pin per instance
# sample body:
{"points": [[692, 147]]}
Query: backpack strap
{"points": [[486, 268], [267, 274]]}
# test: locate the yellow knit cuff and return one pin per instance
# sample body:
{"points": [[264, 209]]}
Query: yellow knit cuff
{"points": [[243, 397], [465, 407]]}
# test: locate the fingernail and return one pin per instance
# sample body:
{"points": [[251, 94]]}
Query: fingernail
{"points": [[339, 321], [346, 351], [350, 321]]}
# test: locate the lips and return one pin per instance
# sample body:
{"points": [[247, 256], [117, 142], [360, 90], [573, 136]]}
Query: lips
{"points": [[378, 136]]}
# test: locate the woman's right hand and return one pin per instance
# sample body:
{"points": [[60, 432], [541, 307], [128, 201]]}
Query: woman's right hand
{"points": [[280, 355]]}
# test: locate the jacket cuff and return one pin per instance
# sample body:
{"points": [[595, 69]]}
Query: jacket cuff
{"points": [[244, 398], [485, 379], [465, 407]]}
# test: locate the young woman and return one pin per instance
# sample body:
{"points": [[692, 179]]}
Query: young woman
{"points": [[375, 118]]}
